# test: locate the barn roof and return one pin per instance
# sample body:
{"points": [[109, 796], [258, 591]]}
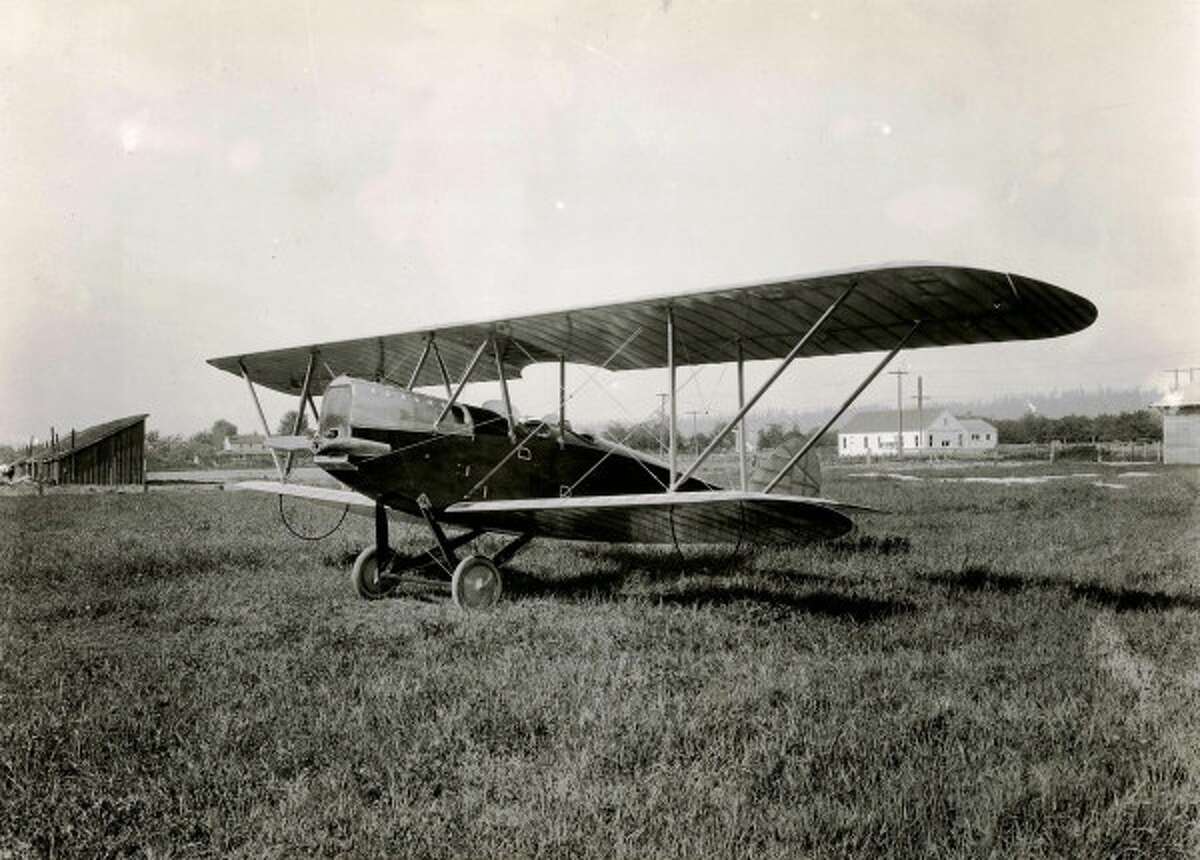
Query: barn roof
{"points": [[887, 421], [89, 436]]}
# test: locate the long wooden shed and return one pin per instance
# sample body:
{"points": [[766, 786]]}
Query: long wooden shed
{"points": [[109, 453]]}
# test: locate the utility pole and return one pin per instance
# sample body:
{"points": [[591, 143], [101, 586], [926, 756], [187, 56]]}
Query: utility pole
{"points": [[695, 440], [920, 398], [899, 374], [662, 420]]}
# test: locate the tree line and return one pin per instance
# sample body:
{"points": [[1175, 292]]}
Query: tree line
{"points": [[1135, 426], [1132, 426], [652, 438]]}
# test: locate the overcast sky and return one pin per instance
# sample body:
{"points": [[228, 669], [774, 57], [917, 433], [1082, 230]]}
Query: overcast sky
{"points": [[184, 180]]}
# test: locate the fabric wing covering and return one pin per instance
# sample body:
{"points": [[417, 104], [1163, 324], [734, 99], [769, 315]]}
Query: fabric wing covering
{"points": [[955, 305], [686, 518]]}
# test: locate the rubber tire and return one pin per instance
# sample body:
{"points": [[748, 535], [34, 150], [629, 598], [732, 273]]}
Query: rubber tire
{"points": [[365, 576], [476, 583]]}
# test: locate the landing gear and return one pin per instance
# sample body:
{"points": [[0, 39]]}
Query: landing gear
{"points": [[476, 583], [365, 575]]}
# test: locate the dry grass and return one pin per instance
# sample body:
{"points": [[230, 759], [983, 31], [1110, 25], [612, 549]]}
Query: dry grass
{"points": [[987, 671]]}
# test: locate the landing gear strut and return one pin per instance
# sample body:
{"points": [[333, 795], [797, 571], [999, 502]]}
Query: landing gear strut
{"points": [[475, 581]]}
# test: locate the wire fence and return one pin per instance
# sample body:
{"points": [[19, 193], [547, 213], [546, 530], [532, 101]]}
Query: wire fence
{"points": [[1134, 451]]}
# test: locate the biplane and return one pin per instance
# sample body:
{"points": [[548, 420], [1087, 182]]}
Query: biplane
{"points": [[393, 428]]}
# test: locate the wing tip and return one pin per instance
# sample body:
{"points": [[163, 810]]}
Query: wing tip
{"points": [[1075, 312]]}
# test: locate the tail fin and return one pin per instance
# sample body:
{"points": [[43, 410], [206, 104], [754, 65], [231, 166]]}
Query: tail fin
{"points": [[804, 479]]}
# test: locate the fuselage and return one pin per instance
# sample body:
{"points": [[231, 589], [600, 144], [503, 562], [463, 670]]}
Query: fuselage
{"points": [[381, 439]]}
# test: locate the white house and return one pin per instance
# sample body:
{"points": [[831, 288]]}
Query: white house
{"points": [[980, 434], [1181, 424], [875, 433], [246, 444]]}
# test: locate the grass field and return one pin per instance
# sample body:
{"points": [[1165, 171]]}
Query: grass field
{"points": [[988, 670]]}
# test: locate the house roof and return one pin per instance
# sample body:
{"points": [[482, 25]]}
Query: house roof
{"points": [[977, 425], [246, 439], [89, 436], [887, 421]]}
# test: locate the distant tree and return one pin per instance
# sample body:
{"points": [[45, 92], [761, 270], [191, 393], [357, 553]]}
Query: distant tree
{"points": [[639, 436], [288, 421], [1127, 426], [222, 430], [829, 440], [175, 452], [1124, 427], [1074, 428], [774, 435], [701, 441]]}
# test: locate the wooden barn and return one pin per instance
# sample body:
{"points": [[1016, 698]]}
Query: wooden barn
{"points": [[109, 453]]}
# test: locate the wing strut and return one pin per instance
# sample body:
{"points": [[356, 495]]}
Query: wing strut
{"points": [[508, 412], [741, 413], [562, 401], [308, 374], [671, 389], [462, 383], [799, 455], [261, 417], [412, 380], [741, 432], [437, 353]]}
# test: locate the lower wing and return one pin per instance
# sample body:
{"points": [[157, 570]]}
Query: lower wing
{"points": [[720, 517]]}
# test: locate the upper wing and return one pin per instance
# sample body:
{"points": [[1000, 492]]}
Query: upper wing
{"points": [[683, 518], [956, 306]]}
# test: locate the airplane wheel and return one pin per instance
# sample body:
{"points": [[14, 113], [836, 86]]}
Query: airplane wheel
{"points": [[365, 576], [476, 583]]}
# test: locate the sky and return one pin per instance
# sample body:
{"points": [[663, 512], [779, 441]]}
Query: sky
{"points": [[185, 180]]}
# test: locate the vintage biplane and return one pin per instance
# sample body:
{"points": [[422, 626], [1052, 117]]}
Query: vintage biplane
{"points": [[468, 470]]}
